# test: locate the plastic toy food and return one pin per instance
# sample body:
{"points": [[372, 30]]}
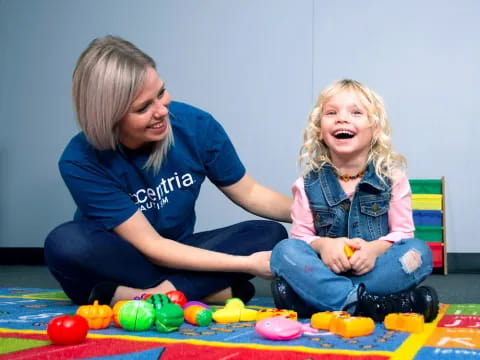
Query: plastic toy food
{"points": [[280, 328], [168, 318], [136, 315], [67, 329], [272, 312], [98, 316], [177, 297], [341, 323], [234, 311], [116, 309], [157, 300], [352, 326], [197, 315], [322, 320], [348, 251], [189, 303], [410, 322]]}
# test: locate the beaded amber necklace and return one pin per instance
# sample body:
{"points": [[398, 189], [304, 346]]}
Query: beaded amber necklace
{"points": [[346, 177]]}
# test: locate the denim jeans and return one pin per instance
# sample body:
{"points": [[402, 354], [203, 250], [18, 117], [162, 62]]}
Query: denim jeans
{"points": [[81, 254], [321, 289]]}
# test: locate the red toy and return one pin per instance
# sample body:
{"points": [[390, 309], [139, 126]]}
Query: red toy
{"points": [[177, 297], [67, 329]]}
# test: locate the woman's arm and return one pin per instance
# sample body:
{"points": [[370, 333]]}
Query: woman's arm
{"points": [[165, 252], [258, 199]]}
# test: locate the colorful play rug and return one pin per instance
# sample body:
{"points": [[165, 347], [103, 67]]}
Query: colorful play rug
{"points": [[25, 313]]}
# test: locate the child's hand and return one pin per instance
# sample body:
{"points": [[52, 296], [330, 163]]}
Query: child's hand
{"points": [[364, 257], [333, 255]]}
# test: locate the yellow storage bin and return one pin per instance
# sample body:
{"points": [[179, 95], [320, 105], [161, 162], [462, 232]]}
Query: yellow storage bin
{"points": [[426, 201]]}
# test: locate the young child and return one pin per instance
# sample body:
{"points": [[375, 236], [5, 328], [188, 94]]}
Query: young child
{"points": [[354, 195]]}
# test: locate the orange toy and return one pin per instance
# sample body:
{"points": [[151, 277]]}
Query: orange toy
{"points": [[197, 315], [322, 320], [272, 312], [348, 250], [341, 323], [351, 326], [98, 316], [409, 322], [116, 310]]}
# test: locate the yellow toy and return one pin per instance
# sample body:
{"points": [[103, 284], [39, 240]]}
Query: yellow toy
{"points": [[234, 311], [273, 312], [409, 322]]}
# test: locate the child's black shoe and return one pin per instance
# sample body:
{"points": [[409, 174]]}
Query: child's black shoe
{"points": [[422, 300], [285, 298]]}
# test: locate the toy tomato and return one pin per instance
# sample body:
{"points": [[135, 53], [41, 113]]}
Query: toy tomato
{"points": [[177, 297], [67, 329], [98, 316]]}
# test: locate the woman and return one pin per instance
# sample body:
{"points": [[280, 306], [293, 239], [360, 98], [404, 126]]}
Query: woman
{"points": [[135, 172]]}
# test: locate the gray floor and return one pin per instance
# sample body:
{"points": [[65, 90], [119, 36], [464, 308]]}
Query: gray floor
{"points": [[451, 288]]}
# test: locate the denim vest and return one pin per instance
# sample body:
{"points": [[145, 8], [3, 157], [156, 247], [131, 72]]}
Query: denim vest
{"points": [[334, 215]]}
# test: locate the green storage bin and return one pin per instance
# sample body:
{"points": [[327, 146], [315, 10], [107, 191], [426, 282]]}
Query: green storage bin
{"points": [[429, 233], [426, 186]]}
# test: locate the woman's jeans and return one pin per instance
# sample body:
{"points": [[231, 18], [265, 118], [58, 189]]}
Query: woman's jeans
{"points": [[81, 254], [323, 290]]}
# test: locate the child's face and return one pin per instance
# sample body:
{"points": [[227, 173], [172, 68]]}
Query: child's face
{"points": [[345, 127]]}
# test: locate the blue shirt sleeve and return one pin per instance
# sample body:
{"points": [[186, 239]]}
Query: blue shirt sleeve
{"points": [[98, 195], [222, 163]]}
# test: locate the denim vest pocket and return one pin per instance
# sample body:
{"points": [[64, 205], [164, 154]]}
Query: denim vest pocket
{"points": [[374, 205], [323, 219], [374, 212]]}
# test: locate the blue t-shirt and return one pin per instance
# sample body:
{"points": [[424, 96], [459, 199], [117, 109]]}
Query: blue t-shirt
{"points": [[110, 186]]}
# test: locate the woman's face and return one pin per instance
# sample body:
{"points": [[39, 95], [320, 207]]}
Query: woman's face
{"points": [[147, 119], [345, 126]]}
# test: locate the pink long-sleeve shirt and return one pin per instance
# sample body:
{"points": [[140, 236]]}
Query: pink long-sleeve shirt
{"points": [[400, 218]]}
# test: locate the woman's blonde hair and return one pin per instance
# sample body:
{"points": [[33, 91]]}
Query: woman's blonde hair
{"points": [[107, 77], [314, 153]]}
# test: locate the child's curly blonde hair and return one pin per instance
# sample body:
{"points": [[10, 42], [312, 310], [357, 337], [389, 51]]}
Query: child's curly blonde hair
{"points": [[314, 153]]}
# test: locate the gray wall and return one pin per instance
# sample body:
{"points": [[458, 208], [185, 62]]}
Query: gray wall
{"points": [[258, 67]]}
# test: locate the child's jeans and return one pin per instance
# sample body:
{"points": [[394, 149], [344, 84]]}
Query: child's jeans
{"points": [[395, 270]]}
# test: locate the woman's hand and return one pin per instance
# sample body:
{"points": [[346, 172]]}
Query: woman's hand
{"points": [[259, 264]]}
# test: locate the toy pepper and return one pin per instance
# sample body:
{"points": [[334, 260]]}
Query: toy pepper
{"points": [[97, 316], [136, 315], [168, 318]]}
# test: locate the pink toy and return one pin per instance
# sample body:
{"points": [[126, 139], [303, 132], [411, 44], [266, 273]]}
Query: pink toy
{"points": [[280, 328]]}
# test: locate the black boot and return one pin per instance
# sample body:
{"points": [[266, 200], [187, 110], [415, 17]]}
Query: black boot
{"points": [[285, 298], [422, 300]]}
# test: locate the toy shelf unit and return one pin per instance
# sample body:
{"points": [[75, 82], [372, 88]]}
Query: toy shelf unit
{"points": [[428, 204]]}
